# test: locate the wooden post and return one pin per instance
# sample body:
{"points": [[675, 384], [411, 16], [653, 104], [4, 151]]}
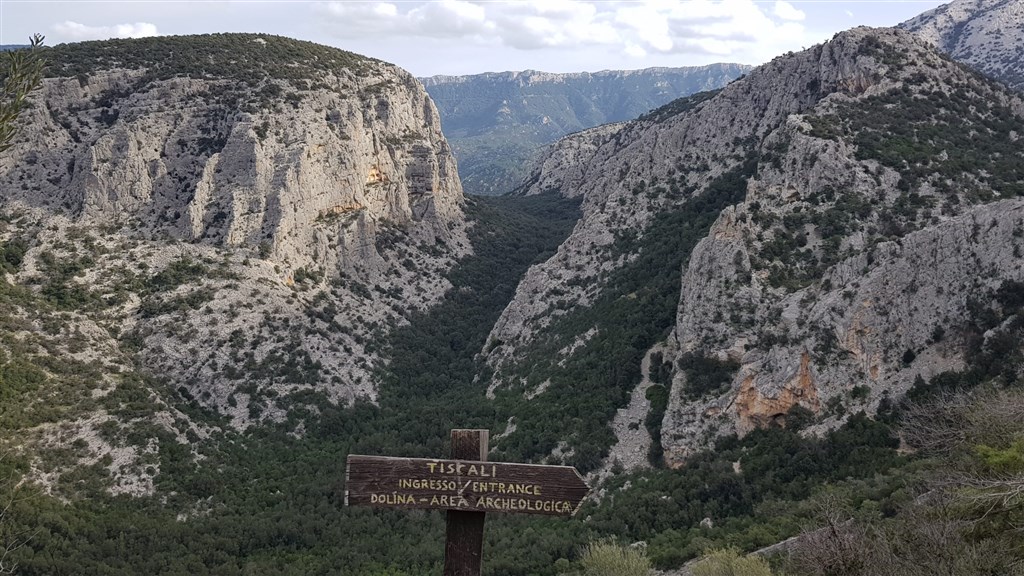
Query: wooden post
{"points": [[464, 542]]}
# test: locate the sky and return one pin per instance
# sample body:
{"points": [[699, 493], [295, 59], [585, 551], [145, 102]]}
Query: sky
{"points": [[474, 36]]}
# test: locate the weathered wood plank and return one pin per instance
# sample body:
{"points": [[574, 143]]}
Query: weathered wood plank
{"points": [[464, 531], [437, 484]]}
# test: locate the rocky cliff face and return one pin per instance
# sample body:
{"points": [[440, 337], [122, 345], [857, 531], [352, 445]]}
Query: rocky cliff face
{"points": [[860, 198], [562, 164], [987, 35], [259, 210], [497, 121]]}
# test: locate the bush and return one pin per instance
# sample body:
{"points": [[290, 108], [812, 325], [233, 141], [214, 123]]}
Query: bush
{"points": [[729, 562], [610, 559]]}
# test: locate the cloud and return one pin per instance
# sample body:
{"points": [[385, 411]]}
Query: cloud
{"points": [[632, 27], [787, 11], [73, 31], [440, 19]]}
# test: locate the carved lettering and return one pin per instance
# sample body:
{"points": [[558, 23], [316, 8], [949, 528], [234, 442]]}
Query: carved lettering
{"points": [[463, 485]]}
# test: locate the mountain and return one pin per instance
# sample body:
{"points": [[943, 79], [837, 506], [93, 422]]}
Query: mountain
{"points": [[497, 122], [811, 241], [229, 261], [987, 35], [236, 220]]}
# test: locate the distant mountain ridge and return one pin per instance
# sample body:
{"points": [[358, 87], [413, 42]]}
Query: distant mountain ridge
{"points": [[987, 35], [496, 122]]}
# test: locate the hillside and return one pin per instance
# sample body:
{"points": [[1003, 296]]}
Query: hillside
{"points": [[803, 238], [497, 122], [987, 35], [234, 221]]}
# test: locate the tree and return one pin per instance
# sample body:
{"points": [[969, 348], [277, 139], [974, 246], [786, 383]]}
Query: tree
{"points": [[22, 72], [966, 516], [980, 439], [13, 536]]}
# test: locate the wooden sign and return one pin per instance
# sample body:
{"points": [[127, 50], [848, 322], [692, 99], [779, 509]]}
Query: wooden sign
{"points": [[468, 487], [436, 484]]}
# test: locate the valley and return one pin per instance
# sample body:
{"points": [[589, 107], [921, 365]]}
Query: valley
{"points": [[781, 314]]}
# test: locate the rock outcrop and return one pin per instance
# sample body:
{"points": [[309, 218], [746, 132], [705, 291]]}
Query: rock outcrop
{"points": [[987, 35], [562, 164], [265, 208]]}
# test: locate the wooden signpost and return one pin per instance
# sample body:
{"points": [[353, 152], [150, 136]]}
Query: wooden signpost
{"points": [[468, 487]]}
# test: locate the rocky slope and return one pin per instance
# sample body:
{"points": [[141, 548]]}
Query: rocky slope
{"points": [[987, 35], [496, 122], [248, 213], [839, 215], [561, 166]]}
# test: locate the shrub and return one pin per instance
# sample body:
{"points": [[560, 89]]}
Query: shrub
{"points": [[729, 562], [610, 559]]}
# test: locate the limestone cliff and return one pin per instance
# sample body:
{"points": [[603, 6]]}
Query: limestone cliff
{"points": [[259, 210], [562, 164], [857, 197], [985, 34]]}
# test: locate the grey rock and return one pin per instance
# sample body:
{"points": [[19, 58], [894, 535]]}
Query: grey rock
{"points": [[840, 336], [321, 216], [985, 34]]}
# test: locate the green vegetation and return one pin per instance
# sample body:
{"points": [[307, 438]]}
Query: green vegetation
{"points": [[931, 134], [636, 309], [706, 376], [964, 512], [729, 562], [756, 505], [250, 58], [951, 145], [657, 394], [12, 252], [21, 71], [610, 559], [430, 386]]}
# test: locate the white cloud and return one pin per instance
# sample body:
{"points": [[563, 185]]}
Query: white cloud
{"points": [[73, 31], [447, 18], [636, 28], [787, 11]]}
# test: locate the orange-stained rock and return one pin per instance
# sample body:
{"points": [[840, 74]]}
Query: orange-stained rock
{"points": [[753, 410], [343, 208]]}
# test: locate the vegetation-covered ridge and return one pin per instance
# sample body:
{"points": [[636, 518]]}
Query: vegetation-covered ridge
{"points": [[949, 134], [235, 56]]}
